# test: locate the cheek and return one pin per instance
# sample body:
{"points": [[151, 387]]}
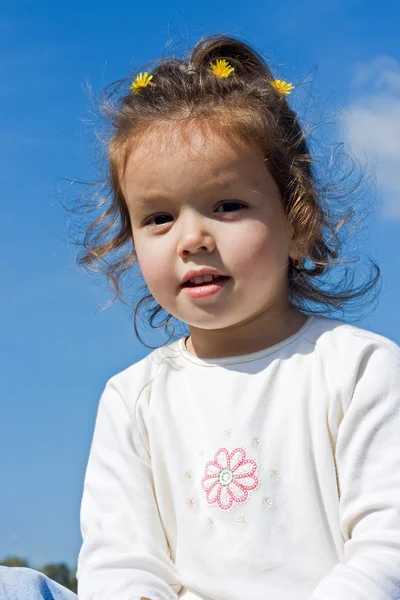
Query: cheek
{"points": [[153, 265], [261, 247]]}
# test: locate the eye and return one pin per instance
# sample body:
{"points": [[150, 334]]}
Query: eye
{"points": [[231, 206], [160, 219]]}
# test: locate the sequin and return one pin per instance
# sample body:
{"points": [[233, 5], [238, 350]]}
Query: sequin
{"points": [[225, 477]]}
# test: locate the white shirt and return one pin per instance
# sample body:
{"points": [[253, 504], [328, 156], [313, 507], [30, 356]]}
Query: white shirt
{"points": [[270, 476]]}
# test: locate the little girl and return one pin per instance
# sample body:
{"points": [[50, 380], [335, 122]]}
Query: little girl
{"points": [[258, 457]]}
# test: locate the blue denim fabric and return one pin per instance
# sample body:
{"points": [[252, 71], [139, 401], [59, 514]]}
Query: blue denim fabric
{"points": [[21, 583]]}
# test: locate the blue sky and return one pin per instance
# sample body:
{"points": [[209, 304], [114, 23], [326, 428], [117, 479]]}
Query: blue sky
{"points": [[57, 347]]}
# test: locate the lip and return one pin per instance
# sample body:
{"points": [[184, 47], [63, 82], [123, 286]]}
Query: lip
{"points": [[199, 272], [208, 289]]}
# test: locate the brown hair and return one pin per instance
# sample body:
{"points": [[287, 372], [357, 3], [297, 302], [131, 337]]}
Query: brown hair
{"points": [[245, 106]]}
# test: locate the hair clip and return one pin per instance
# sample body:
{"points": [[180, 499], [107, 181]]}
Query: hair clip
{"points": [[141, 81], [221, 68], [282, 87]]}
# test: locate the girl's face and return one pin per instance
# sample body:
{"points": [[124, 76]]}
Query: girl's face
{"points": [[198, 202]]}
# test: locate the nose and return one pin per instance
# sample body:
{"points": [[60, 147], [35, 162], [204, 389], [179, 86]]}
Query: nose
{"points": [[194, 235]]}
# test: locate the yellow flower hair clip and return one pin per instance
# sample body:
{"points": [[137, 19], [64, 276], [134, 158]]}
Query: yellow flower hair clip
{"points": [[282, 87], [221, 68], [141, 81]]}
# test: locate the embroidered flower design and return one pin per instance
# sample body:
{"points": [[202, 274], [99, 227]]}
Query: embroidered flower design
{"points": [[229, 478], [210, 522], [190, 502], [266, 502], [242, 521], [275, 475]]}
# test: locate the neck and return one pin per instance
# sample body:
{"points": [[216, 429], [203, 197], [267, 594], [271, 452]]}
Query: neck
{"points": [[267, 329]]}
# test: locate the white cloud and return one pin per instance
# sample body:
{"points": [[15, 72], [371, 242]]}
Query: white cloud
{"points": [[373, 125]]}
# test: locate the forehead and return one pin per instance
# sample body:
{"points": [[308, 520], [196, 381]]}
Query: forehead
{"points": [[189, 159]]}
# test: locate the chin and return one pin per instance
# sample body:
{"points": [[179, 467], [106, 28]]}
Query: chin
{"points": [[213, 322]]}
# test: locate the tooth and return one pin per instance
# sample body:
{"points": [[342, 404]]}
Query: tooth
{"points": [[208, 277], [198, 279]]}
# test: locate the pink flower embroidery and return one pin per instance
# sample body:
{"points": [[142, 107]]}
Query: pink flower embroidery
{"points": [[229, 478]]}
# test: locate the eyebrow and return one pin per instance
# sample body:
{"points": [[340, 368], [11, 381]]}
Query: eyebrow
{"points": [[153, 199], [149, 201]]}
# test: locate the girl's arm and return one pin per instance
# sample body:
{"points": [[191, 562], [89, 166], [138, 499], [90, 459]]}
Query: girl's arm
{"points": [[368, 467], [125, 554]]}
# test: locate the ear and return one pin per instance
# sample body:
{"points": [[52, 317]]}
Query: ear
{"points": [[297, 249], [296, 253]]}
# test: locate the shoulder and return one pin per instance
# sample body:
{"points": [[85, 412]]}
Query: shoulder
{"points": [[354, 354], [130, 383], [343, 339]]}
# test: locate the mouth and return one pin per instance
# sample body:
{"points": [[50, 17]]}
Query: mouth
{"points": [[206, 281], [201, 289]]}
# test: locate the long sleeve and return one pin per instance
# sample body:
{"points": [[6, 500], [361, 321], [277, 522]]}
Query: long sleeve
{"points": [[125, 554], [368, 470]]}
